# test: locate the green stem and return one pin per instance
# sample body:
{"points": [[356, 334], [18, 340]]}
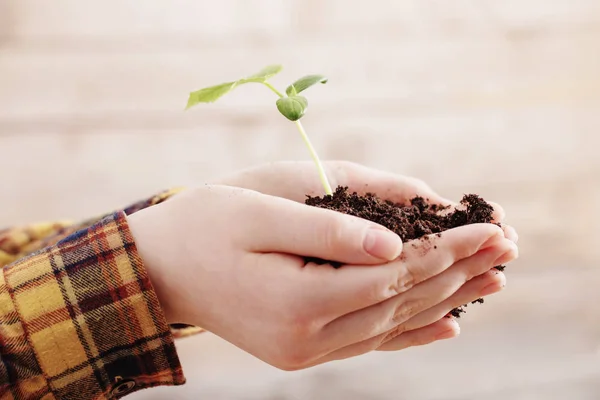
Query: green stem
{"points": [[311, 149], [267, 84], [315, 158]]}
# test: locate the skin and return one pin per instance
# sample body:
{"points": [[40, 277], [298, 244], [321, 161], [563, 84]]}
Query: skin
{"points": [[229, 257]]}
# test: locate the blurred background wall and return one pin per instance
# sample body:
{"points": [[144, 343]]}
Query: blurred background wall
{"points": [[496, 98]]}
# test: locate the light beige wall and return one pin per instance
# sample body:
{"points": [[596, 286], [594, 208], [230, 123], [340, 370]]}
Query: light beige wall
{"points": [[498, 98]]}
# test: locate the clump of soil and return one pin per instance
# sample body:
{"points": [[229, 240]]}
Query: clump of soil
{"points": [[409, 221]]}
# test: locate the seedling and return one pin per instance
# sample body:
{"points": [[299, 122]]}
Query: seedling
{"points": [[415, 220], [291, 105]]}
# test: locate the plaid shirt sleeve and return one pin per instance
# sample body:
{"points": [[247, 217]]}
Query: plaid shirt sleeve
{"points": [[79, 318]]}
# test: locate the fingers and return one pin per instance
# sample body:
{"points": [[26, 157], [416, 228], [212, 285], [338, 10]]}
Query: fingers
{"points": [[386, 185], [354, 287], [510, 233], [394, 312], [292, 180], [499, 214], [399, 189], [491, 282], [444, 286], [280, 225], [295, 180], [390, 186], [420, 330], [445, 328]]}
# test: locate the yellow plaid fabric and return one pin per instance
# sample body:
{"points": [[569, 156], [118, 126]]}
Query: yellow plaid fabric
{"points": [[79, 318]]}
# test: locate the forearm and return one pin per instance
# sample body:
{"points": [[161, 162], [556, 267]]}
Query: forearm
{"points": [[80, 319], [77, 308], [19, 241]]}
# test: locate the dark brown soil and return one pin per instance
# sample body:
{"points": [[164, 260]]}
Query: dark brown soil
{"points": [[410, 221]]}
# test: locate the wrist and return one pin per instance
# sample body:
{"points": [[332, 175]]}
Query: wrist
{"points": [[148, 243]]}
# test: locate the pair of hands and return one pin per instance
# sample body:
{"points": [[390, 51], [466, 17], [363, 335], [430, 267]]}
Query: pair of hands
{"points": [[230, 258]]}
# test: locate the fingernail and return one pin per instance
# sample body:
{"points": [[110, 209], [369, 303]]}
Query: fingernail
{"points": [[382, 243]]}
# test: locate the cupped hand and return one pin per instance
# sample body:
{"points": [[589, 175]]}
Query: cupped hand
{"points": [[294, 180], [231, 260]]}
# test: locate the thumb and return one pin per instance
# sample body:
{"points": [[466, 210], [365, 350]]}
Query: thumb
{"points": [[289, 227]]}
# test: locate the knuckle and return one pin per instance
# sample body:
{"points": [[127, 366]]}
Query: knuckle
{"points": [[393, 333], [404, 280], [333, 234], [382, 288], [383, 322], [301, 326], [379, 292], [407, 309]]}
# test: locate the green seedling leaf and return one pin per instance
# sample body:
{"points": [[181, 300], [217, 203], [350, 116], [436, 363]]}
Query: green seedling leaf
{"points": [[304, 83], [213, 93], [262, 75], [210, 94], [293, 107]]}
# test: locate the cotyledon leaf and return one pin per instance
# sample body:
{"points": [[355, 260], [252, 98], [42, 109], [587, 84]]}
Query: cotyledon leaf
{"points": [[304, 83], [293, 107]]}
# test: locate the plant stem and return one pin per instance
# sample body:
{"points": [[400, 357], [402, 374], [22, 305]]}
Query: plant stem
{"points": [[315, 158], [311, 149], [267, 84]]}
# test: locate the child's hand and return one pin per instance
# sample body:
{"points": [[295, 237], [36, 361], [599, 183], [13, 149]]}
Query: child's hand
{"points": [[231, 261]]}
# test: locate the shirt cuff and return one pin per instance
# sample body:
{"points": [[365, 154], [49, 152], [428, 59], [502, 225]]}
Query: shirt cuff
{"points": [[91, 317]]}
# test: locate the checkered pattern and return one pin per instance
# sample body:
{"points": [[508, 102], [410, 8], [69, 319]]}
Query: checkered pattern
{"points": [[78, 314]]}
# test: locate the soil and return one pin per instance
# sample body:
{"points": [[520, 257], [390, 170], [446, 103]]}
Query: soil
{"points": [[414, 221]]}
